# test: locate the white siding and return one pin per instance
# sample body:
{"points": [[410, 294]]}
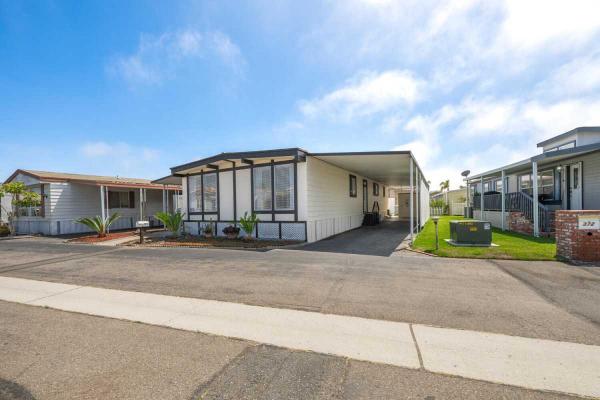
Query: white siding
{"points": [[330, 209], [243, 192], [226, 195], [591, 181], [424, 206]]}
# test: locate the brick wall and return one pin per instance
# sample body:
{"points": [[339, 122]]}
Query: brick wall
{"points": [[518, 222], [573, 243]]}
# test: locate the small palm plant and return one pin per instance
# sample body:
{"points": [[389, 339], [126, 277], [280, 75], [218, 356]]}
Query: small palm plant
{"points": [[248, 223], [172, 221], [98, 224]]}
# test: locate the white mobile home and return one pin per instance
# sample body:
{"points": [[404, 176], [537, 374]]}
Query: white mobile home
{"points": [[67, 197], [299, 195]]}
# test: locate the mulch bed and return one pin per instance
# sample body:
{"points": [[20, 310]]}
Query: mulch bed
{"points": [[198, 241], [96, 239]]}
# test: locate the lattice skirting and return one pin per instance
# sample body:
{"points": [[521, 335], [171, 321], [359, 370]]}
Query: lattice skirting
{"points": [[268, 230]]}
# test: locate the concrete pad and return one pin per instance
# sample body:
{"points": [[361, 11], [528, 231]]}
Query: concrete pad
{"points": [[530, 363], [24, 290], [358, 338]]}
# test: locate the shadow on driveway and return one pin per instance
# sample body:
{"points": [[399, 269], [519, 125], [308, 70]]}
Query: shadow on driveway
{"points": [[379, 240]]}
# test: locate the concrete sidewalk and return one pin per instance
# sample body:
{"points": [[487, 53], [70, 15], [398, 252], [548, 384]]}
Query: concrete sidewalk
{"points": [[530, 363]]}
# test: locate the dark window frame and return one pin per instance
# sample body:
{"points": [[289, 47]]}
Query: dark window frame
{"points": [[353, 193], [130, 199], [375, 189], [203, 211]]}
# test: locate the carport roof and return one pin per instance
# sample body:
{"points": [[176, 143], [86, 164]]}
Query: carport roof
{"points": [[388, 167]]}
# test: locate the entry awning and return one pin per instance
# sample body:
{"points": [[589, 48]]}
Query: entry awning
{"points": [[391, 168]]}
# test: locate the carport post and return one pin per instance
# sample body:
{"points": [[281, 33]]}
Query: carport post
{"points": [[164, 199], [482, 206], [536, 211], [141, 204], [418, 201], [503, 198], [103, 210], [411, 200]]}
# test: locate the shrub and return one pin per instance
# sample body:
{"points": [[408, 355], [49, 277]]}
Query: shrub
{"points": [[172, 221], [99, 225], [248, 223], [4, 230], [207, 230], [231, 231]]}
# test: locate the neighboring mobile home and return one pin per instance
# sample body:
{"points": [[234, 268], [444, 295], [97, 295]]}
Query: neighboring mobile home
{"points": [[67, 197], [298, 195], [455, 199], [566, 176]]}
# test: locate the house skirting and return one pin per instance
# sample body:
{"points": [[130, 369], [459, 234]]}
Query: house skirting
{"points": [[267, 230], [52, 227], [494, 217]]}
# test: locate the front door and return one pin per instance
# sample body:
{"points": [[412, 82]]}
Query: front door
{"points": [[575, 187], [365, 196]]}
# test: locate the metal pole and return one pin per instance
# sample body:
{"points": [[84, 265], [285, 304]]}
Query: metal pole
{"points": [[482, 217], [141, 204], [503, 196], [411, 200], [536, 217], [164, 199], [418, 201], [103, 210]]}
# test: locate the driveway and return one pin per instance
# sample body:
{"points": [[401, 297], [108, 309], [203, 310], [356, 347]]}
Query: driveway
{"points": [[530, 299], [379, 240]]}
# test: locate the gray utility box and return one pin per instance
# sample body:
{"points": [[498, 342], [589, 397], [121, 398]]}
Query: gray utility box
{"points": [[471, 232]]}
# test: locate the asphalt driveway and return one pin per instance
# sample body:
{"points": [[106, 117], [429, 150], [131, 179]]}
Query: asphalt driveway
{"points": [[379, 240], [547, 300]]}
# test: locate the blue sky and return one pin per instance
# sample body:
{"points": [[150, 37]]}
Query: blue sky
{"points": [[133, 88]]}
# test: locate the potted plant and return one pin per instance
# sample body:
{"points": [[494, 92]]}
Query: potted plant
{"points": [[231, 231], [248, 223], [208, 230]]}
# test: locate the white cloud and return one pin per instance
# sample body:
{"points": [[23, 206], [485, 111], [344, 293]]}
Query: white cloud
{"points": [[533, 23], [160, 57], [577, 77], [118, 150], [366, 94]]}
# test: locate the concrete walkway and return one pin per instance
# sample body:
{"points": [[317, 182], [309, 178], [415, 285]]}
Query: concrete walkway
{"points": [[530, 363]]}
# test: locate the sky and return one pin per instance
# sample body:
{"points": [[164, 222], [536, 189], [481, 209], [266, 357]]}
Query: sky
{"points": [[133, 88]]}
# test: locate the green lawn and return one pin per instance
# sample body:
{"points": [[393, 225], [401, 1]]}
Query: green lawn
{"points": [[510, 245]]}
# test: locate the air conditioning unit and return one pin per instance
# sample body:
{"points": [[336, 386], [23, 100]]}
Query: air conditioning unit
{"points": [[471, 232]]}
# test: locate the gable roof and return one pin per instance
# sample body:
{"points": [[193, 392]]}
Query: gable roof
{"points": [[98, 180]]}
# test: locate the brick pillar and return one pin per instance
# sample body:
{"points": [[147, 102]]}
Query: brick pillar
{"points": [[573, 243]]}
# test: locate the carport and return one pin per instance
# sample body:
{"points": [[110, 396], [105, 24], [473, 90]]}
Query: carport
{"points": [[398, 170]]}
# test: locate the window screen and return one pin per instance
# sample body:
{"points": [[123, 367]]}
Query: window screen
{"points": [[353, 188], [262, 189], [284, 187], [375, 189], [194, 194], [120, 200], [210, 193]]}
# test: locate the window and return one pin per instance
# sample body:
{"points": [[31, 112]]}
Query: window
{"points": [[545, 184], [498, 185], [487, 187], [383, 191], [568, 145], [262, 188], [121, 200], [194, 193], [284, 187], [375, 189], [209, 195], [353, 187]]}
